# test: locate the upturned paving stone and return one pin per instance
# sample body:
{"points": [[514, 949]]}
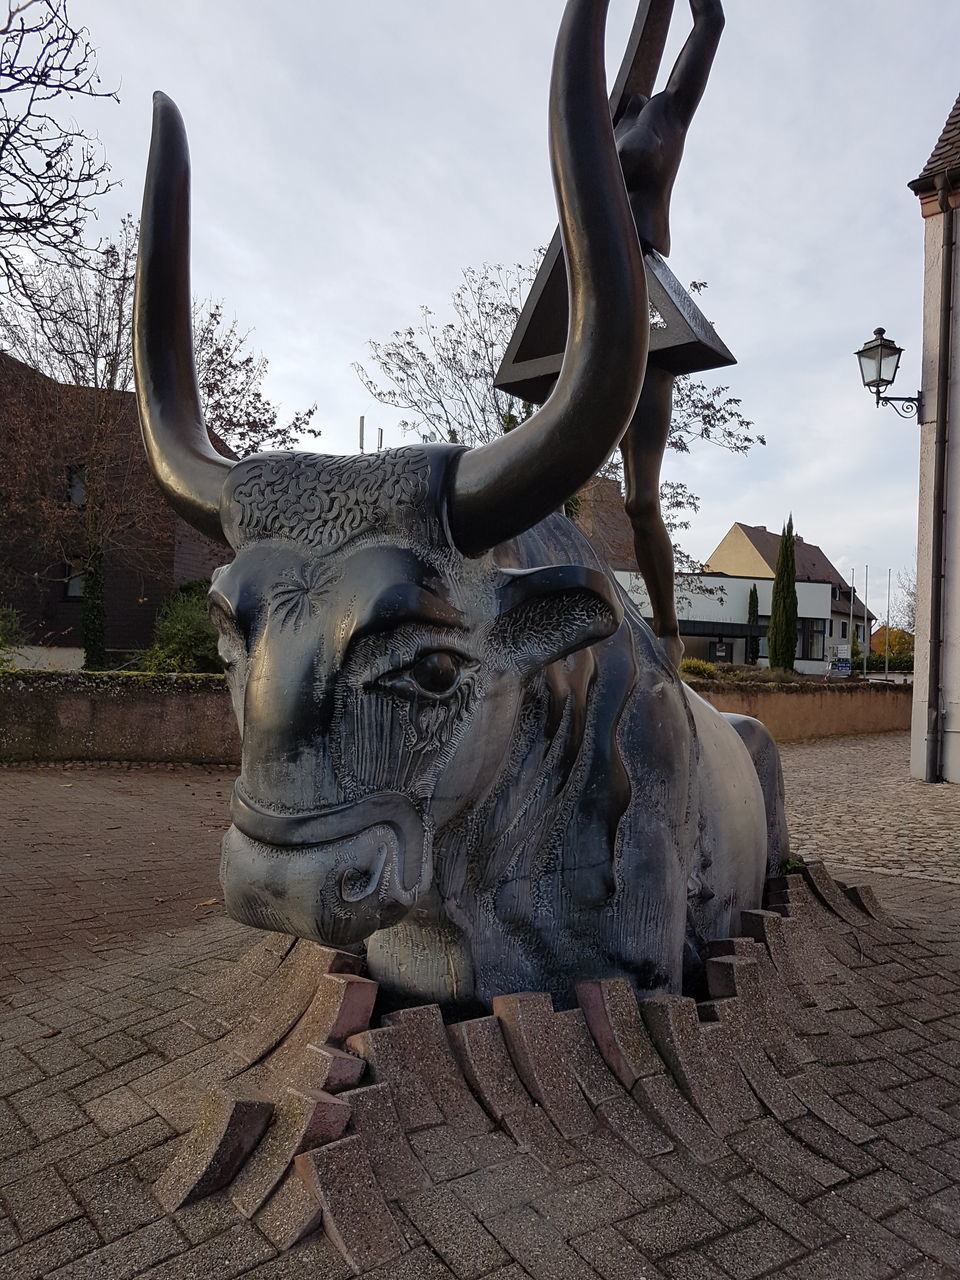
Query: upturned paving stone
{"points": [[299, 1121], [375, 1119], [423, 1034], [229, 1128], [613, 1016], [537, 1052], [355, 1215]]}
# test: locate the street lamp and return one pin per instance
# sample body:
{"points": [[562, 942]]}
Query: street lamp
{"points": [[879, 360]]}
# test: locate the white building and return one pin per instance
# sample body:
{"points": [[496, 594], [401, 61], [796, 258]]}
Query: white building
{"points": [[714, 625]]}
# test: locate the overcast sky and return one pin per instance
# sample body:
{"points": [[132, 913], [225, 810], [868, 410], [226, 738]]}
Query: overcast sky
{"points": [[350, 158]]}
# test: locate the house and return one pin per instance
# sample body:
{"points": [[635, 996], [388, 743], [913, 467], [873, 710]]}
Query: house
{"points": [[713, 605], [829, 613], [60, 443]]}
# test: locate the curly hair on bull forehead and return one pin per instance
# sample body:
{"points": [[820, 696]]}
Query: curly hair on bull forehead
{"points": [[325, 501]]}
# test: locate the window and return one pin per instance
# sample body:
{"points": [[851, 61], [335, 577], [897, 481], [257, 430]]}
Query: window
{"points": [[830, 632], [843, 631], [77, 486], [859, 631], [764, 621], [74, 583]]}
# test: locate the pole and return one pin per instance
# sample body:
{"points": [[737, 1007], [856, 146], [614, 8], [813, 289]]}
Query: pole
{"points": [[853, 592], [886, 643], [866, 588], [361, 433], [379, 437]]}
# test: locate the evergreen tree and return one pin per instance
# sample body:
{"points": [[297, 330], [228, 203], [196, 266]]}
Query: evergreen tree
{"points": [[753, 617], [782, 632]]}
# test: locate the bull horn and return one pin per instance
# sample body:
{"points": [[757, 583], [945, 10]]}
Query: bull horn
{"points": [[509, 484], [187, 467]]}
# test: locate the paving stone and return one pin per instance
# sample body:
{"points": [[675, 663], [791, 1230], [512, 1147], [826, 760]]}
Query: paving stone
{"points": [[118, 1110], [116, 1049], [315, 1259], [847, 1219], [205, 1218], [39, 1203], [612, 1015], [829, 1144], [387, 1054], [443, 1152], [299, 1121], [105, 1152], [630, 1171], [482, 1055], [532, 1130], [43, 1256], [540, 1249], [576, 1210], [51, 1117], [628, 1122], [421, 1264], [925, 1237], [128, 1257], [424, 1035], [671, 1227], [375, 1119], [676, 1032], [117, 1202], [467, 1248], [613, 1256], [291, 1214], [704, 1185], [847, 1259], [355, 1215], [229, 1127], [786, 1162], [225, 1256], [537, 1052], [595, 1078], [754, 1250], [663, 1102], [490, 1192], [783, 1210]]}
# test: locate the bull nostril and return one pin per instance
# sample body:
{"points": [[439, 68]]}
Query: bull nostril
{"points": [[357, 883]]}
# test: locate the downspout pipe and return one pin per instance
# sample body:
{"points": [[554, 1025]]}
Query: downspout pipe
{"points": [[933, 771]]}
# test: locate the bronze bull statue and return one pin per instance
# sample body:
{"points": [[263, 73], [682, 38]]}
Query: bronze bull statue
{"points": [[462, 746]]}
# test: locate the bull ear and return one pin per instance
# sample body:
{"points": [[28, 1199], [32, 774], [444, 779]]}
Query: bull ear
{"points": [[547, 613]]}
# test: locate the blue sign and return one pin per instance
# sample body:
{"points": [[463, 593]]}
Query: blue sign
{"points": [[842, 666]]}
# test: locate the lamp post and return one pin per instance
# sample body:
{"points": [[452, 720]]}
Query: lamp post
{"points": [[879, 360]]}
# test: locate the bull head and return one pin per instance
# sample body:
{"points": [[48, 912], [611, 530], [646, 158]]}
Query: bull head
{"points": [[376, 653]]}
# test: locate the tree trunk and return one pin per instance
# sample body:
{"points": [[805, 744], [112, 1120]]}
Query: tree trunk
{"points": [[92, 623]]}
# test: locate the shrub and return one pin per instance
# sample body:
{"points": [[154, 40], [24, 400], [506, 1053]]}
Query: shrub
{"points": [[184, 638], [698, 669], [12, 635]]}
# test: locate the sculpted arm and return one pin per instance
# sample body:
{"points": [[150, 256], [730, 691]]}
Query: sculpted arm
{"points": [[688, 79]]}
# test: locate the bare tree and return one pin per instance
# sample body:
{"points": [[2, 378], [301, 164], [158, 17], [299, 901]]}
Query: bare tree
{"points": [[440, 375], [87, 496], [50, 171]]}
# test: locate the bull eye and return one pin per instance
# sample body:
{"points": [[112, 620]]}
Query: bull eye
{"points": [[437, 672], [433, 675]]}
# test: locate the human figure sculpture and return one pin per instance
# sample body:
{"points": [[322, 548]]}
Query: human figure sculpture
{"points": [[650, 137], [462, 748]]}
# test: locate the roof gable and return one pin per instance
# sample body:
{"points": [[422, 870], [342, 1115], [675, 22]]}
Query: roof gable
{"points": [[945, 155]]}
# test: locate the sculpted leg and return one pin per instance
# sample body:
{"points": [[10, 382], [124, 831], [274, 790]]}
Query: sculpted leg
{"points": [[642, 448]]}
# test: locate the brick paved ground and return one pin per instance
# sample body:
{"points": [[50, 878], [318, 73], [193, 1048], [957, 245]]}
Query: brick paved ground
{"points": [[99, 1028]]}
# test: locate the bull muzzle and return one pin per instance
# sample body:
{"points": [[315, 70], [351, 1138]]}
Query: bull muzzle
{"points": [[336, 875]]}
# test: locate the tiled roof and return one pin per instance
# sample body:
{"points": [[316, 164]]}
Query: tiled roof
{"points": [[945, 155], [812, 564]]}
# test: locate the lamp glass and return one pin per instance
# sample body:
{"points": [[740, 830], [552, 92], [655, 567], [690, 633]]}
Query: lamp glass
{"points": [[879, 359]]}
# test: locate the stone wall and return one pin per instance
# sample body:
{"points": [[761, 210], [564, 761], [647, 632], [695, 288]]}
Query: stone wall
{"points": [[795, 712], [52, 715]]}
